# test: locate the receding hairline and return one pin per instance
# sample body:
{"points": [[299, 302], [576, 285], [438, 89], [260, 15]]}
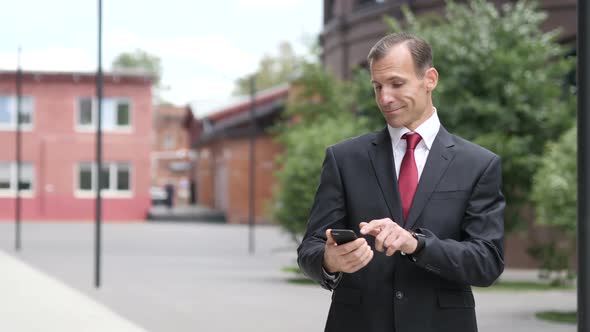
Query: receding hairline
{"points": [[419, 49]]}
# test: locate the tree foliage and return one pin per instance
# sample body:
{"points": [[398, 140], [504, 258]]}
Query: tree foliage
{"points": [[272, 70], [139, 60], [554, 192], [320, 114], [555, 184], [502, 84]]}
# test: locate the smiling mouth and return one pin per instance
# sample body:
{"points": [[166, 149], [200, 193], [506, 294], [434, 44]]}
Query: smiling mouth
{"points": [[395, 110]]}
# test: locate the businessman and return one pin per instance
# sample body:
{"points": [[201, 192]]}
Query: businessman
{"points": [[427, 206]]}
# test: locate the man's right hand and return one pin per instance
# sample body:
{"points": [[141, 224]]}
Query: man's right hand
{"points": [[349, 257]]}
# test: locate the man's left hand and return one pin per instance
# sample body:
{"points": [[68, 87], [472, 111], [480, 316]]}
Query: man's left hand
{"points": [[389, 236]]}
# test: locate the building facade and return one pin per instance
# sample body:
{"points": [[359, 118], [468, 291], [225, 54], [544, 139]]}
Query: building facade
{"points": [[352, 27], [171, 157], [222, 171], [59, 120]]}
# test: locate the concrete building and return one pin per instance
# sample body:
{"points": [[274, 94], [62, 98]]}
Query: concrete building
{"points": [[59, 118]]}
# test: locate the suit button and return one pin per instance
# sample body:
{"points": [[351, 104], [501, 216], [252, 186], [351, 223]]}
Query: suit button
{"points": [[399, 295]]}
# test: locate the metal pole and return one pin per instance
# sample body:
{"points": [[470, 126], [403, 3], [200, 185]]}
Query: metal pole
{"points": [[19, 86], [252, 209], [583, 36], [98, 211]]}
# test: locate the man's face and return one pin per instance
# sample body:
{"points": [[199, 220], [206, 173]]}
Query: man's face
{"points": [[403, 97]]}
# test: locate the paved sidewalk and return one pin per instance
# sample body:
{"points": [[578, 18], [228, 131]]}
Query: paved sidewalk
{"points": [[193, 277], [33, 301]]}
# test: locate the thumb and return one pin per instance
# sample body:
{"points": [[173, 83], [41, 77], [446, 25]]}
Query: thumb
{"points": [[330, 239]]}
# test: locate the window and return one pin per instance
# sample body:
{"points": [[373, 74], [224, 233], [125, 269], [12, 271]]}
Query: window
{"points": [[8, 110], [8, 177], [115, 177], [116, 114]]}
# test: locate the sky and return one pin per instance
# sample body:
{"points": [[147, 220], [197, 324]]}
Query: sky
{"points": [[204, 45]]}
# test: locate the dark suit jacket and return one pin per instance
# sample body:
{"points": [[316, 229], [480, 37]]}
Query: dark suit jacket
{"points": [[458, 206]]}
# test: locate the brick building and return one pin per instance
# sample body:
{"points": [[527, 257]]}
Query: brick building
{"points": [[222, 169], [171, 156], [352, 27], [59, 175]]}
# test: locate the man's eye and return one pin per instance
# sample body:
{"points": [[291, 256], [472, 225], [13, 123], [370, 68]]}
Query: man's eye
{"points": [[377, 88], [397, 85]]}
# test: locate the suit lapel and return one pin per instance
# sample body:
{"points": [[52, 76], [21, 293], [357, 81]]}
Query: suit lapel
{"points": [[381, 155], [439, 158]]}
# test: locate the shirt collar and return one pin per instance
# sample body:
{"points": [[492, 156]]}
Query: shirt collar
{"points": [[427, 130]]}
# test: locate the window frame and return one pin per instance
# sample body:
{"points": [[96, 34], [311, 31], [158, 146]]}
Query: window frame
{"points": [[92, 127], [11, 126], [111, 191], [11, 191]]}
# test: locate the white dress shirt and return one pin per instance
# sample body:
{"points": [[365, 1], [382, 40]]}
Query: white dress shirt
{"points": [[427, 130]]}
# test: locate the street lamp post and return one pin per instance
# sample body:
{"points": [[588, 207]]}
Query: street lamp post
{"points": [[583, 83], [252, 209], [19, 88], [98, 208]]}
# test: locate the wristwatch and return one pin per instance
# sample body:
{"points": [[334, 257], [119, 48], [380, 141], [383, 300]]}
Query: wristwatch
{"points": [[421, 243]]}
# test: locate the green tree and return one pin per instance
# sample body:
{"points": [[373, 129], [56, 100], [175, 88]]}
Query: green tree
{"points": [[502, 84], [320, 114], [554, 192], [272, 70], [140, 60]]}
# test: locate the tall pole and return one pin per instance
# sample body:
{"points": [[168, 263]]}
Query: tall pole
{"points": [[583, 36], [98, 209], [17, 210], [252, 209]]}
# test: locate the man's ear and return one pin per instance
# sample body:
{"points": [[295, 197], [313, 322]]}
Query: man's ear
{"points": [[431, 78]]}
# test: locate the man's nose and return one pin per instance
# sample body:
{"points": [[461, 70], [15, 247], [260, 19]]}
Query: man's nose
{"points": [[386, 97]]}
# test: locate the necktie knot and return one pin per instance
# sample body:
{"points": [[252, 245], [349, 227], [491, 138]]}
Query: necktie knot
{"points": [[412, 140]]}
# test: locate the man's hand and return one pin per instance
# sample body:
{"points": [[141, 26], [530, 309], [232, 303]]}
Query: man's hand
{"points": [[349, 257], [389, 236]]}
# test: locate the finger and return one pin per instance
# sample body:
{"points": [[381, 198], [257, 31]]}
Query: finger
{"points": [[359, 257], [354, 256], [351, 246], [329, 238], [373, 227], [366, 259], [400, 241], [391, 250], [381, 243], [390, 241]]}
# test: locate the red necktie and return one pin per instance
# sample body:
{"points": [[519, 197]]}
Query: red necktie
{"points": [[408, 173]]}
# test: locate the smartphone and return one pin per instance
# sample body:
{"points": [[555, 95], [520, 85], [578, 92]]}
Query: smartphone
{"points": [[342, 236]]}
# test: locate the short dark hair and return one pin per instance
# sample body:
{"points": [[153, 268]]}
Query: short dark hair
{"points": [[419, 49]]}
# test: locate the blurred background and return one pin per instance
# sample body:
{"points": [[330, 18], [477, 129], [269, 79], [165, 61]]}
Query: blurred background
{"points": [[215, 118]]}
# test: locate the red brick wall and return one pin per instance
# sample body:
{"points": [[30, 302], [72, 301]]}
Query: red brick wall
{"points": [[55, 148], [204, 173], [234, 155], [168, 122]]}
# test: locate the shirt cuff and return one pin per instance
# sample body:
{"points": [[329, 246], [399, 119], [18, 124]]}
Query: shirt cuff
{"points": [[332, 280]]}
